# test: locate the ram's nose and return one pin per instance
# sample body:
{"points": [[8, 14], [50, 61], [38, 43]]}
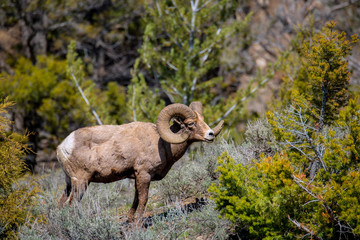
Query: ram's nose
{"points": [[209, 135]]}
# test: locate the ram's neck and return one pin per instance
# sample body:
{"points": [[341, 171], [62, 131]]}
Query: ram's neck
{"points": [[178, 150]]}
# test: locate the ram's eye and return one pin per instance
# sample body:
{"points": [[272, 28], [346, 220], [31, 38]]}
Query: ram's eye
{"points": [[192, 124]]}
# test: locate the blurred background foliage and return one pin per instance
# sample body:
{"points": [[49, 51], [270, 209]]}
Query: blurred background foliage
{"points": [[134, 57]]}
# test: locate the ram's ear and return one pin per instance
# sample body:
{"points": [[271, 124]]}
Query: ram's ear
{"points": [[196, 106]]}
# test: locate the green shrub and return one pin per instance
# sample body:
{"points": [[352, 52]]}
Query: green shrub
{"points": [[308, 189], [279, 196], [257, 197], [17, 199]]}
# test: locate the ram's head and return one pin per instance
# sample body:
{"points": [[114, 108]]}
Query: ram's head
{"points": [[189, 124]]}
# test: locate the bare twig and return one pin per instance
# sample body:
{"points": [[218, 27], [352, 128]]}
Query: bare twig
{"points": [[297, 148], [342, 5], [314, 200], [172, 66], [192, 89], [133, 105], [85, 98], [303, 227], [318, 155], [208, 49], [194, 6], [145, 112], [299, 181], [204, 5], [327, 208], [304, 137]]}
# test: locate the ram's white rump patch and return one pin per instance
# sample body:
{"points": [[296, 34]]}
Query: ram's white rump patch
{"points": [[67, 146]]}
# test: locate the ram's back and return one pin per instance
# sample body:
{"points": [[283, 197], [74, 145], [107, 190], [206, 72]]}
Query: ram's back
{"points": [[110, 152]]}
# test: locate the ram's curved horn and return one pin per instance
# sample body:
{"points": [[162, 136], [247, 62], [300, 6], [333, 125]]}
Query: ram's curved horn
{"points": [[196, 106], [218, 128], [162, 123]]}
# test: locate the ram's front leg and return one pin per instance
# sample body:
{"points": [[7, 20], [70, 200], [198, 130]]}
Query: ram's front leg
{"points": [[142, 184], [134, 205]]}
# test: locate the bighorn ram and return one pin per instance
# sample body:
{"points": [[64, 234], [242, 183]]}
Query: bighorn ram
{"points": [[139, 150]]}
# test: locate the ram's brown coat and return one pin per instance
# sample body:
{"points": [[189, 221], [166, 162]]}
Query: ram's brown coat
{"points": [[109, 153]]}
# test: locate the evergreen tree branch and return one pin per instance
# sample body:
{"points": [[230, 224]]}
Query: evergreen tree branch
{"points": [[167, 32], [182, 17]]}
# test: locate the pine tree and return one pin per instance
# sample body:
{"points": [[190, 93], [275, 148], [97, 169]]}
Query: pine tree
{"points": [[328, 71], [323, 76], [144, 103], [182, 44]]}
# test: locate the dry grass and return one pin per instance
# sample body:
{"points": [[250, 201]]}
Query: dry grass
{"points": [[102, 212]]}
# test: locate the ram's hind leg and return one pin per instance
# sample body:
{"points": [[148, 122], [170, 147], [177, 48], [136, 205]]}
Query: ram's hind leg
{"points": [[78, 189], [67, 191]]}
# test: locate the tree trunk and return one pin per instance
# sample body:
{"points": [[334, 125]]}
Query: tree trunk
{"points": [[323, 105]]}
